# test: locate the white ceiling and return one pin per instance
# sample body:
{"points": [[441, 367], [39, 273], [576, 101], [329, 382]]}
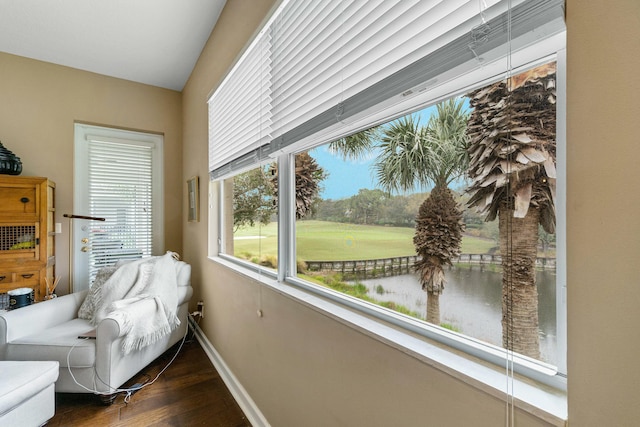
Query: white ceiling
{"points": [[156, 42]]}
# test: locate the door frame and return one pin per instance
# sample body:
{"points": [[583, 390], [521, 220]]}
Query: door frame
{"points": [[79, 269]]}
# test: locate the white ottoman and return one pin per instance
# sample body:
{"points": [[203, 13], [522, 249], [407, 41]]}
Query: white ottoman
{"points": [[27, 396]]}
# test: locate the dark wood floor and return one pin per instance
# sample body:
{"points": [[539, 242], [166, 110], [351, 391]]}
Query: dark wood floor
{"points": [[189, 393]]}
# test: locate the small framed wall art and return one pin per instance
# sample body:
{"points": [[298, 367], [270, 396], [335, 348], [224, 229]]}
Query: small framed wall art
{"points": [[193, 199]]}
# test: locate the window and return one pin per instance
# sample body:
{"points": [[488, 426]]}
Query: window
{"points": [[353, 228], [252, 234], [384, 232]]}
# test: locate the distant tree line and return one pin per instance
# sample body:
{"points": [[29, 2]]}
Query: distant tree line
{"points": [[371, 207]]}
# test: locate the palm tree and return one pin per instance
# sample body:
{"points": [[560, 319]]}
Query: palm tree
{"points": [[437, 241], [308, 177], [412, 155], [436, 154], [512, 167]]}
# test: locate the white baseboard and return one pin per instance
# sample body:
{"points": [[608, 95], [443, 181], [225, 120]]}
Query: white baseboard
{"points": [[241, 396]]}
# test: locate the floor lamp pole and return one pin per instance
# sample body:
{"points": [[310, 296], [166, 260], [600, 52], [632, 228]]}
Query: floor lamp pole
{"points": [[70, 255]]}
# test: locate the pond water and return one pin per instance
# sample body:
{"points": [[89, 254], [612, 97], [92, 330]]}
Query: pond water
{"points": [[472, 303]]}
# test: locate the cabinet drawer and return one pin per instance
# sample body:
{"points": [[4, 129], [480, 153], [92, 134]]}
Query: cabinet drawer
{"points": [[27, 278], [18, 199], [6, 277], [21, 279]]}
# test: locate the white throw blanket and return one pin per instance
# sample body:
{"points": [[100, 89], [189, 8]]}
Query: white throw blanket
{"points": [[142, 296]]}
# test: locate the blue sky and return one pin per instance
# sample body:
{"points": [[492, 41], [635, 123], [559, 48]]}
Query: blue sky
{"points": [[347, 177]]}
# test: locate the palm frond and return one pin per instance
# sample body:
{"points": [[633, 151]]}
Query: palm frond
{"points": [[355, 146], [436, 154], [512, 148]]}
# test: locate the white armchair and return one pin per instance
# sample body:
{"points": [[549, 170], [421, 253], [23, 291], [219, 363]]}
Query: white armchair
{"points": [[49, 330]]}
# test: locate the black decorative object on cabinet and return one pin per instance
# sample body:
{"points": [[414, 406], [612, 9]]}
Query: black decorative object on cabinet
{"points": [[10, 164]]}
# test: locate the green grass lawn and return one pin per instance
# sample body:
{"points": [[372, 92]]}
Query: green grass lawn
{"points": [[331, 241]]}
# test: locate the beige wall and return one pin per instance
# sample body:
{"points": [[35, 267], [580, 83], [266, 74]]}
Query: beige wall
{"points": [[39, 103], [302, 368], [603, 212]]}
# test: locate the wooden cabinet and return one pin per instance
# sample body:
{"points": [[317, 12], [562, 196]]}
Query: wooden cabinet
{"points": [[27, 234]]}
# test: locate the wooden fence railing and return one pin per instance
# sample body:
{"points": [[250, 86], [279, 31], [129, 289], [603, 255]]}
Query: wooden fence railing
{"points": [[396, 266], [366, 269]]}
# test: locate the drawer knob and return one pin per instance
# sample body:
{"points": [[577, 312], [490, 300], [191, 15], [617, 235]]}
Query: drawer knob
{"points": [[2, 278], [27, 276]]}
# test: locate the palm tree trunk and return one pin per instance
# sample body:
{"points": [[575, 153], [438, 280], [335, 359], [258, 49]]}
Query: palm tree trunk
{"points": [[433, 308], [518, 241]]}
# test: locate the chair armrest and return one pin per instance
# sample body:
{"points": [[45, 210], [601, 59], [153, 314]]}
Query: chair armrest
{"points": [[37, 317], [109, 329], [112, 327], [184, 294], [108, 353]]}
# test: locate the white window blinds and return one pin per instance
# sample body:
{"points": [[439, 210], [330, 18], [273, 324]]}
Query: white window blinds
{"points": [[339, 49], [240, 110], [316, 64], [120, 189]]}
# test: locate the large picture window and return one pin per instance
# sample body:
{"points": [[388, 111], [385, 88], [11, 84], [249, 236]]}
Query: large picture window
{"points": [[421, 185], [402, 220]]}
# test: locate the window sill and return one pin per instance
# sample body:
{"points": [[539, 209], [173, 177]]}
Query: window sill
{"points": [[545, 402]]}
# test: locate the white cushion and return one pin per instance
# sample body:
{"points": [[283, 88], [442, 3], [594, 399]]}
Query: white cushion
{"points": [[56, 344], [88, 307], [19, 381]]}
